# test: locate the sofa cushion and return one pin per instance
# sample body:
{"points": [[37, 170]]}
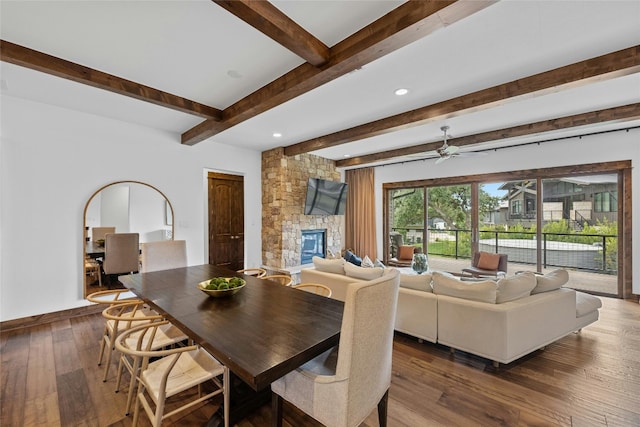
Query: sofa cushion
{"points": [[447, 284], [586, 304], [551, 281], [352, 258], [418, 282], [364, 273], [405, 252], [515, 287], [488, 261], [366, 262], [329, 265]]}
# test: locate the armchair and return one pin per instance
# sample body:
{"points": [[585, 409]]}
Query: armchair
{"points": [[487, 264]]}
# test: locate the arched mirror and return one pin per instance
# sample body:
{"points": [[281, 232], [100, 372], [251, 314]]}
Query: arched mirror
{"points": [[129, 207]]}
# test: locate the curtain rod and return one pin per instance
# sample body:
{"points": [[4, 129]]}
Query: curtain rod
{"points": [[400, 162]]}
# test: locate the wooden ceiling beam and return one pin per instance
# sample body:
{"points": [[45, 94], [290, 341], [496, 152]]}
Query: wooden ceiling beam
{"points": [[605, 67], [29, 58], [616, 114], [409, 22], [269, 20]]}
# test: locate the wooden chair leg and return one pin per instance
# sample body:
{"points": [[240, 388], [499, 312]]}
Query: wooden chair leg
{"points": [[276, 410], [382, 409]]}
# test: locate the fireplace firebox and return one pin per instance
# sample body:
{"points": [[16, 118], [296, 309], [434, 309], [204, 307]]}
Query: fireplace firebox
{"points": [[314, 243]]}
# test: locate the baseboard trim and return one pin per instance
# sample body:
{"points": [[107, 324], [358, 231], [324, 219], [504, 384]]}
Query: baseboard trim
{"points": [[41, 319]]}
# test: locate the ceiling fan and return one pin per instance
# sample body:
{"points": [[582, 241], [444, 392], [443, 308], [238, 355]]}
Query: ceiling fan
{"points": [[447, 151]]}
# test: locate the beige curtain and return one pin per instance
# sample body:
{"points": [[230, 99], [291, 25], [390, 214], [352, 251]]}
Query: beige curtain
{"points": [[360, 215]]}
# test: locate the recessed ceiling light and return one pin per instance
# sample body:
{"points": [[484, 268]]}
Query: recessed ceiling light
{"points": [[401, 91], [234, 74], [277, 134], [346, 155]]}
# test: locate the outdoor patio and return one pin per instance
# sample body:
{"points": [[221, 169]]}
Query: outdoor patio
{"points": [[579, 280]]}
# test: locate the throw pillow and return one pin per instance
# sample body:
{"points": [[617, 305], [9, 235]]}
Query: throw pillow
{"points": [[418, 282], [364, 273], [379, 263], [488, 261], [447, 284], [329, 265], [405, 252], [551, 281], [352, 258], [366, 262], [515, 287]]}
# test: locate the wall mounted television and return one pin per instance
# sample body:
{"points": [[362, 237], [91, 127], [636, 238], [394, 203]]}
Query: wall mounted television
{"points": [[325, 197]]}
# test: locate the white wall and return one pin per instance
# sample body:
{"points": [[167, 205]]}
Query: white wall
{"points": [[606, 147], [52, 160]]}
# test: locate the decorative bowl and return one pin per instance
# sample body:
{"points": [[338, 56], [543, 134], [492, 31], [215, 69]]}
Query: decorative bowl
{"points": [[220, 293]]}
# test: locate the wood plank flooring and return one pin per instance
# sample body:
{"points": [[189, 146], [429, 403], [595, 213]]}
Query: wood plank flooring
{"points": [[50, 377]]}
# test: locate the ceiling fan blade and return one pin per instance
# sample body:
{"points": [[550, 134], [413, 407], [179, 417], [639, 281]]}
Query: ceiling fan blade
{"points": [[442, 159], [471, 154]]}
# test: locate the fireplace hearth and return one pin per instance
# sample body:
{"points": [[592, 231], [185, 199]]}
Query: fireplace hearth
{"points": [[313, 243]]}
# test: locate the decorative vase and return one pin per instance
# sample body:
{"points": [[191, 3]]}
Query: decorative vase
{"points": [[420, 264]]}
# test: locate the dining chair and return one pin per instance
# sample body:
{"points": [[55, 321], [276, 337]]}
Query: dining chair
{"points": [[165, 373], [255, 272], [98, 233], [121, 255], [165, 336], [120, 317], [163, 255], [93, 270], [315, 288], [342, 386], [111, 297], [282, 279]]}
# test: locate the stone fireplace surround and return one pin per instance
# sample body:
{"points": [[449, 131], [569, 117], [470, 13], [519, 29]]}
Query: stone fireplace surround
{"points": [[284, 188]]}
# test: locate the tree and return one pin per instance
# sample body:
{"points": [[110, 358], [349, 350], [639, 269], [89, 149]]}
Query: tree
{"points": [[408, 207], [451, 203]]}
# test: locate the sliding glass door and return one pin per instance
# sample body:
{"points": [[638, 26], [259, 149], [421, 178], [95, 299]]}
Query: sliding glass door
{"points": [[542, 223]]}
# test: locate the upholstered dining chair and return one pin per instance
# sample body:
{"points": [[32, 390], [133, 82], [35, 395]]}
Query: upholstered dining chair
{"points": [[98, 233], [165, 373], [341, 387], [121, 255], [283, 279], [315, 288], [255, 272], [163, 255], [487, 264]]}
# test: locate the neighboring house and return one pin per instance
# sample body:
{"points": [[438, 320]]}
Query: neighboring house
{"points": [[580, 200]]}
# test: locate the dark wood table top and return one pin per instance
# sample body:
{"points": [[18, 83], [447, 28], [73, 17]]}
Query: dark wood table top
{"points": [[261, 333], [93, 250]]}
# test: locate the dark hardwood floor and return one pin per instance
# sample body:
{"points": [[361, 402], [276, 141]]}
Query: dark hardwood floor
{"points": [[50, 377]]}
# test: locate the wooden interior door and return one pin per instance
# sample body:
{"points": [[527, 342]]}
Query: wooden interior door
{"points": [[226, 220]]}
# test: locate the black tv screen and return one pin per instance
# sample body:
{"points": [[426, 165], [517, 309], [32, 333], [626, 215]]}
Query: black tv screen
{"points": [[325, 197]]}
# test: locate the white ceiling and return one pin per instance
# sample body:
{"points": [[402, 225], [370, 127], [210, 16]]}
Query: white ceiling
{"points": [[197, 50]]}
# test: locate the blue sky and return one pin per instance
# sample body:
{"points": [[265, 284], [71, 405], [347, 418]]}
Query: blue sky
{"points": [[492, 188]]}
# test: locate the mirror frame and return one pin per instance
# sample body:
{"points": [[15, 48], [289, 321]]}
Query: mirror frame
{"points": [[84, 221]]}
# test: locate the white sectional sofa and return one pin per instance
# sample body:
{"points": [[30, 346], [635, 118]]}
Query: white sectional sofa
{"points": [[501, 321], [417, 312]]}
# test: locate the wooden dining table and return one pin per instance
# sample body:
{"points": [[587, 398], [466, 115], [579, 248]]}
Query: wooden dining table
{"points": [[261, 333]]}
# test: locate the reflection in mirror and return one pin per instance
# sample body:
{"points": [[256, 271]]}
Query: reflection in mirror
{"points": [[130, 207]]}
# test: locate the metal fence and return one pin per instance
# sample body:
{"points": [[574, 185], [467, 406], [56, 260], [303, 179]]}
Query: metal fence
{"points": [[588, 252]]}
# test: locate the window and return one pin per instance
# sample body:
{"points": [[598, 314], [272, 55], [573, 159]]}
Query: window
{"points": [[516, 207], [605, 202]]}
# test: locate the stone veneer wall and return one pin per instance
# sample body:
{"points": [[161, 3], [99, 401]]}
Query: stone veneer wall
{"points": [[284, 189]]}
